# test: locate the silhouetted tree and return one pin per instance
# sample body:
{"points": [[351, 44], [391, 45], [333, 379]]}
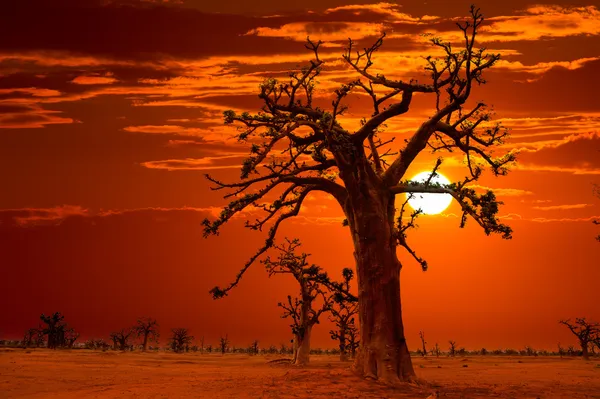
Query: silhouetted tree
{"points": [[365, 173], [58, 333], [121, 338], [342, 311], [585, 331], [34, 336], [202, 344], [180, 340], [422, 337], [224, 344], [147, 328], [303, 312], [436, 350], [253, 348], [70, 337], [452, 351]]}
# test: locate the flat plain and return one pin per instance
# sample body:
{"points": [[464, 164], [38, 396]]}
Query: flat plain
{"points": [[41, 373]]}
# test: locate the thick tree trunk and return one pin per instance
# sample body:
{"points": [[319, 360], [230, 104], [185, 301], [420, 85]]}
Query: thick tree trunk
{"points": [[302, 357], [383, 353], [145, 344], [584, 351]]}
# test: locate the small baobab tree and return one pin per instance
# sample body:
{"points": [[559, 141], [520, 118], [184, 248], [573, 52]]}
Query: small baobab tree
{"points": [[59, 334], [253, 349], [70, 337], [423, 342], [298, 148], [224, 343], [147, 329], [586, 332], [180, 340], [452, 351], [343, 308], [302, 310], [121, 338], [34, 337]]}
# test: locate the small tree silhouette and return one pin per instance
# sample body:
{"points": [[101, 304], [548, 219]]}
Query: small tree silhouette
{"points": [[436, 350], [452, 351], [70, 337], [343, 309], [121, 338], [253, 350], [55, 329], [147, 328], [224, 344], [312, 281], [585, 331], [423, 342], [34, 336], [180, 340]]}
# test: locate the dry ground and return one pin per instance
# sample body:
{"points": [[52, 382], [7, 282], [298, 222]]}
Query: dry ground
{"points": [[42, 373]]}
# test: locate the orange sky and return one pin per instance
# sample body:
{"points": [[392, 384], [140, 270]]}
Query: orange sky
{"points": [[110, 114]]}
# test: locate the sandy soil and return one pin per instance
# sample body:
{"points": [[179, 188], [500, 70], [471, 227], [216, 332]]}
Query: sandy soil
{"points": [[41, 373]]}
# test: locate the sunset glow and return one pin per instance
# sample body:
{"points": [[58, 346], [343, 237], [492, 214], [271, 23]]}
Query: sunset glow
{"points": [[430, 204], [111, 114]]}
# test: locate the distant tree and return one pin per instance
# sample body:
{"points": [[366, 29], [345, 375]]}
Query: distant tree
{"points": [[147, 328], [483, 351], [209, 348], [121, 338], [303, 148], [54, 330], [180, 340], [224, 344], [34, 337], [343, 308], [585, 332], [561, 350], [436, 350], [303, 312], [253, 348], [59, 334], [423, 342], [452, 351], [70, 337], [202, 344]]}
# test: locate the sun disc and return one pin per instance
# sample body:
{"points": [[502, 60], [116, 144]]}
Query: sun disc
{"points": [[429, 204]]}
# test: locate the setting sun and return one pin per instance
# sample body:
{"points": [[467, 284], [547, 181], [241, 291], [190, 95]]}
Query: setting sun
{"points": [[430, 204]]}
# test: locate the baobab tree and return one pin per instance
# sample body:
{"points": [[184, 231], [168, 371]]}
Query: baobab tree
{"points": [[70, 337], [224, 343], [452, 350], [423, 342], [312, 282], [121, 338], [298, 149], [34, 336], [59, 334], [342, 312], [147, 328], [586, 332], [180, 340]]}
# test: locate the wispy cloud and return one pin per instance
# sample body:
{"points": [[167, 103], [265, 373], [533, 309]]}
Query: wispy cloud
{"points": [[561, 207]]}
